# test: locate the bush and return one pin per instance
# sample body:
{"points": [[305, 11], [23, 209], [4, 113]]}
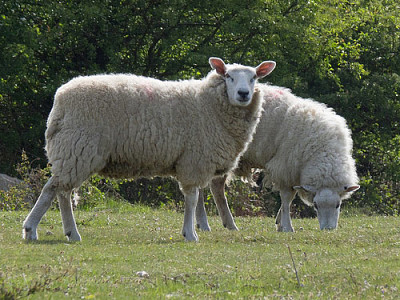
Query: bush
{"points": [[348, 59], [96, 191], [244, 199], [157, 191], [249, 199], [92, 193], [25, 194]]}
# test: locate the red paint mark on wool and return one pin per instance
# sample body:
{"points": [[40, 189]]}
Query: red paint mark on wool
{"points": [[276, 94], [149, 92]]}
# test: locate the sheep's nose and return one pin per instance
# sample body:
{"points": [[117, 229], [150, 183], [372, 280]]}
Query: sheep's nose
{"points": [[243, 93]]}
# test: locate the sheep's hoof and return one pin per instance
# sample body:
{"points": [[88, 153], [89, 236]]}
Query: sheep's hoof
{"points": [[281, 228], [204, 227], [232, 227], [73, 236], [192, 237], [29, 234]]}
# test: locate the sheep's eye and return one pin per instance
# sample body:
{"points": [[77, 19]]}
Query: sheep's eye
{"points": [[252, 80], [315, 206], [337, 205], [227, 76]]}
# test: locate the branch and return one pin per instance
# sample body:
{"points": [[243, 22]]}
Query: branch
{"points": [[294, 266]]}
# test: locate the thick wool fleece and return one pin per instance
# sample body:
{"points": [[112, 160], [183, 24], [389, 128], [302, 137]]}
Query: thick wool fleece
{"points": [[300, 142], [129, 126]]}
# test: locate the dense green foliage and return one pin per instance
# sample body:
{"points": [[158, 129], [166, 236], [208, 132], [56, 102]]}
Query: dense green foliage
{"points": [[343, 53], [360, 260]]}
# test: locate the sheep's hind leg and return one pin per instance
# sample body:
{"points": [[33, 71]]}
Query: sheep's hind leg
{"points": [[69, 224], [31, 222], [191, 198], [218, 191], [278, 220], [283, 221], [201, 216]]}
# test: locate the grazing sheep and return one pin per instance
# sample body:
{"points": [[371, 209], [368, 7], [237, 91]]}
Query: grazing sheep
{"points": [[132, 126], [304, 148]]}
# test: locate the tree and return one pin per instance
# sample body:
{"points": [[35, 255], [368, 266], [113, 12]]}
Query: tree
{"points": [[342, 53]]}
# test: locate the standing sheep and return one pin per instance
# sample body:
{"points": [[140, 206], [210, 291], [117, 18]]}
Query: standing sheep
{"points": [[131, 126], [304, 148]]}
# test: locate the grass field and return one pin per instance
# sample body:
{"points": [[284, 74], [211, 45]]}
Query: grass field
{"points": [[360, 260]]}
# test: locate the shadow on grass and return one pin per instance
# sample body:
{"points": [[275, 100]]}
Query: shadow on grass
{"points": [[49, 242]]}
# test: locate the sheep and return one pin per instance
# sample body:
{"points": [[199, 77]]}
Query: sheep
{"points": [[304, 147], [128, 126]]}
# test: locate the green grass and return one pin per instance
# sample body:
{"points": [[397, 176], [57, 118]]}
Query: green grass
{"points": [[360, 260]]}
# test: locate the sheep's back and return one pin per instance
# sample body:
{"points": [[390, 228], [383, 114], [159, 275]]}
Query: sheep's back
{"points": [[299, 140]]}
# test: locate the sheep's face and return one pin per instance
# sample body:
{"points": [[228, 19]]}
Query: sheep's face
{"points": [[240, 80], [240, 85], [326, 203]]}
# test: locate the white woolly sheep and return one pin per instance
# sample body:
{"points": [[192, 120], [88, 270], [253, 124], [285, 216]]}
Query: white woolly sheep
{"points": [[303, 147], [128, 126]]}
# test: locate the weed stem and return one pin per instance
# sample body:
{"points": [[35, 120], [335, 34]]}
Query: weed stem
{"points": [[294, 266]]}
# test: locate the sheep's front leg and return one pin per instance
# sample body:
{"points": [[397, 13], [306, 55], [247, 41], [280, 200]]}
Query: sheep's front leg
{"points": [[191, 198], [31, 222], [69, 224], [218, 191], [201, 215], [283, 221]]}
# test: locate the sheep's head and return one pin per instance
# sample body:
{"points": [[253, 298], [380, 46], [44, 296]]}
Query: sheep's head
{"points": [[327, 202], [240, 80]]}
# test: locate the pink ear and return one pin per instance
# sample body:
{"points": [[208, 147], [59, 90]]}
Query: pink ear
{"points": [[265, 68], [217, 64], [351, 188]]}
